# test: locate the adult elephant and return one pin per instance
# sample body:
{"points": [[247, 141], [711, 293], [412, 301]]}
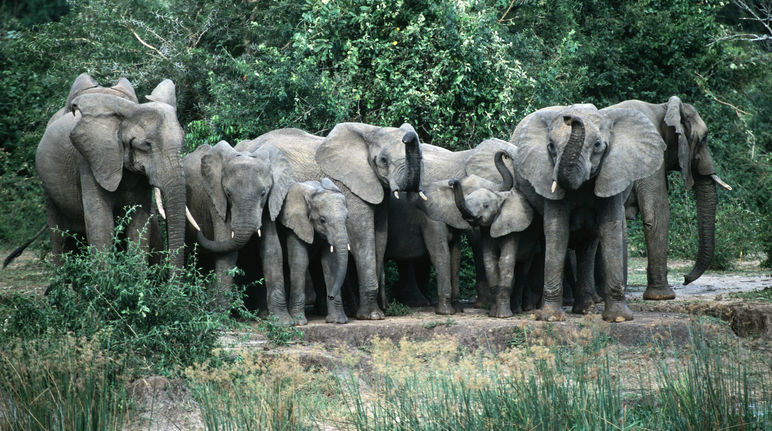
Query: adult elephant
{"points": [[366, 162], [685, 135], [105, 151], [229, 194], [576, 166]]}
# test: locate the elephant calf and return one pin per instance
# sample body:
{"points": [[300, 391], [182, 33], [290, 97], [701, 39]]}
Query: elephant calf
{"points": [[316, 209]]}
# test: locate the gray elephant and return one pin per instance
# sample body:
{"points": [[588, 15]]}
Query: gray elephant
{"points": [[230, 194], [685, 135], [366, 162], [576, 166], [104, 151], [498, 211], [315, 217]]}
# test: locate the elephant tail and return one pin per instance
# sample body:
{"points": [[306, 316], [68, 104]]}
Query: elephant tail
{"points": [[14, 254]]}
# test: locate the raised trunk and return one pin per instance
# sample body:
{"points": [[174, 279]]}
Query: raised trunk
{"points": [[498, 160], [569, 167], [173, 191], [705, 194], [341, 266], [458, 197], [412, 180]]}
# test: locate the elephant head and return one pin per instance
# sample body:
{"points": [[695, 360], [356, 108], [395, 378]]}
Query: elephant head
{"points": [[115, 134], [239, 185], [564, 148], [367, 158], [320, 207]]}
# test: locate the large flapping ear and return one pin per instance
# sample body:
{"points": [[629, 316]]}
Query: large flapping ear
{"points": [[515, 215], [124, 87], [83, 82], [211, 172], [481, 163], [636, 150], [295, 215], [329, 185], [441, 206], [673, 118], [532, 159], [281, 173], [164, 93], [344, 155], [97, 135]]}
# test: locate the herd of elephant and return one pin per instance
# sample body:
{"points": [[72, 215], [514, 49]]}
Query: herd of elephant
{"points": [[297, 206]]}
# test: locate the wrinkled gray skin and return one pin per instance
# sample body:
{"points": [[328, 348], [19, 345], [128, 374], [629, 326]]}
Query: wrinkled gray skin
{"points": [[230, 194], [499, 212], [104, 151], [576, 166], [315, 216], [427, 230], [366, 162], [685, 135]]}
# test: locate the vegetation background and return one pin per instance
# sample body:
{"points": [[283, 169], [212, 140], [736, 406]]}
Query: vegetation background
{"points": [[459, 70]]}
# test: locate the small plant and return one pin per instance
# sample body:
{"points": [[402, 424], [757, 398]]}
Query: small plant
{"points": [[396, 308], [278, 333], [435, 323], [764, 294], [519, 338]]}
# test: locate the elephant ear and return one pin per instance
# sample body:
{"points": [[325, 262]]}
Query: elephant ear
{"points": [[281, 174], [343, 156], [211, 172], [441, 206], [329, 185], [532, 159], [635, 150], [294, 215], [481, 161], [515, 215], [164, 93], [83, 82], [97, 135], [124, 87], [673, 118]]}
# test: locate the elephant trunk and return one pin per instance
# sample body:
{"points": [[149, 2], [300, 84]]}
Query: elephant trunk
{"points": [[340, 263], [412, 178], [244, 226], [498, 160], [705, 194], [569, 171], [173, 192], [458, 197]]}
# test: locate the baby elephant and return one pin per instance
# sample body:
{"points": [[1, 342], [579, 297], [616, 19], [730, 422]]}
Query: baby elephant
{"points": [[315, 213]]}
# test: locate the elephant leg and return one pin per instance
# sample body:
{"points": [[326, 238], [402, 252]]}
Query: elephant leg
{"points": [[455, 268], [585, 267], [436, 237], [56, 225], [407, 291], [569, 278], [98, 210], [310, 289], [297, 257], [361, 230], [381, 239], [490, 261], [519, 301], [556, 233], [273, 272], [651, 193], [223, 265], [507, 250], [612, 242], [482, 287], [138, 232], [335, 311], [533, 294]]}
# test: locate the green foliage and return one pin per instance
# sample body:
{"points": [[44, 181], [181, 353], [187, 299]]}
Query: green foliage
{"points": [[276, 332], [764, 294], [396, 308]]}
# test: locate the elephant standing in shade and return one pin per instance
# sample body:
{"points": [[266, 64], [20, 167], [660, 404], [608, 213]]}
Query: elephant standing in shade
{"points": [[104, 151], [576, 166], [228, 193], [366, 162], [685, 135], [315, 217]]}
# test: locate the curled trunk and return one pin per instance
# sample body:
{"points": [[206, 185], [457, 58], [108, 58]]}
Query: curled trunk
{"points": [[244, 222], [458, 197], [412, 179], [498, 160], [705, 194]]}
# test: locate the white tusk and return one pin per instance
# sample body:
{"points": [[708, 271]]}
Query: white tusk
{"points": [[332, 249], [191, 219], [348, 246], [159, 203], [259, 234], [554, 186], [720, 182], [423, 196], [396, 194], [233, 234]]}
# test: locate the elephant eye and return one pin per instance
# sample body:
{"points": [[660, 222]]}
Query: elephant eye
{"points": [[598, 145], [551, 148], [383, 160], [485, 205], [140, 145], [322, 219]]}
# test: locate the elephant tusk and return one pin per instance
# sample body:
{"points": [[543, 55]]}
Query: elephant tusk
{"points": [[190, 218], [423, 196], [396, 194], [720, 182], [159, 202], [233, 234], [348, 246], [332, 249], [554, 186], [259, 233]]}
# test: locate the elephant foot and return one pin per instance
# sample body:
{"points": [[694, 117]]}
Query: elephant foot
{"points": [[551, 312], [445, 307], [517, 309], [596, 298], [482, 303], [659, 293], [371, 312], [587, 306], [500, 309], [617, 311], [300, 319], [458, 307], [336, 316], [283, 317]]}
